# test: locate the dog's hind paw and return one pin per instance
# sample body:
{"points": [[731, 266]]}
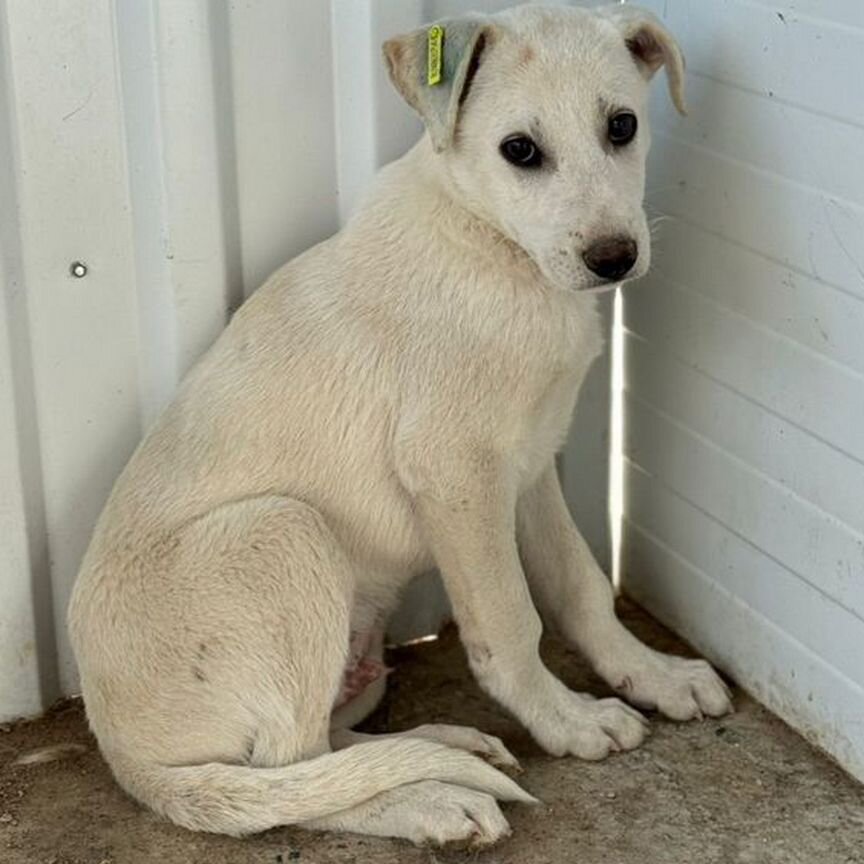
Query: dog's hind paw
{"points": [[488, 747], [428, 813], [461, 816]]}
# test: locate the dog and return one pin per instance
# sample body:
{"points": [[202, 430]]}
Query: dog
{"points": [[390, 401]]}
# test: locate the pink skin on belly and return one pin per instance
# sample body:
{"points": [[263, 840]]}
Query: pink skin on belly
{"points": [[360, 669]]}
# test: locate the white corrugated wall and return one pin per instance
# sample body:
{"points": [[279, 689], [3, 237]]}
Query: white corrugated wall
{"points": [[744, 406], [180, 150]]}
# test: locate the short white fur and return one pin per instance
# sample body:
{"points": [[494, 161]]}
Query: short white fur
{"points": [[391, 400]]}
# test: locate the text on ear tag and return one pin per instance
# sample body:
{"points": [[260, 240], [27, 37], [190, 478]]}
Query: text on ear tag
{"points": [[434, 54]]}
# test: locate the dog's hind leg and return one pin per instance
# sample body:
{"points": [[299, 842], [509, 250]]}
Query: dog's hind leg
{"points": [[489, 747], [360, 707], [226, 643], [210, 665]]}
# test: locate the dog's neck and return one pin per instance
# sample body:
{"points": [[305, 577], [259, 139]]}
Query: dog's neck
{"points": [[416, 191], [428, 253]]}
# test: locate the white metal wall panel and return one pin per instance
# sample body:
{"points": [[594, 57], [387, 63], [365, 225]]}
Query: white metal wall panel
{"points": [[744, 520], [183, 150], [70, 200]]}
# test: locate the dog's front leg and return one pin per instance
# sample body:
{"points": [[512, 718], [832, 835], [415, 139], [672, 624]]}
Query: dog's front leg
{"points": [[570, 588], [467, 510]]}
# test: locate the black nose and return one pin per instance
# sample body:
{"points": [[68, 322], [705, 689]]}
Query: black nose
{"points": [[612, 257]]}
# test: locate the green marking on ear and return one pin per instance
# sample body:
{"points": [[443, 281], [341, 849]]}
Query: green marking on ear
{"points": [[434, 55]]}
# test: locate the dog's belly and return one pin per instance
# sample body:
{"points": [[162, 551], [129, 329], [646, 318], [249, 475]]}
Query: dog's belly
{"points": [[364, 664], [384, 544]]}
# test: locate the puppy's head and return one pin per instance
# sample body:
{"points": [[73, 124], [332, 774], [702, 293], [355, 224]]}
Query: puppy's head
{"points": [[538, 120]]}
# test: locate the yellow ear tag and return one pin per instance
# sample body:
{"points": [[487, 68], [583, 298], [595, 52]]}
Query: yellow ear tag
{"points": [[434, 55]]}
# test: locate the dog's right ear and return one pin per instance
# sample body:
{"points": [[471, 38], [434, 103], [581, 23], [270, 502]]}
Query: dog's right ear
{"points": [[433, 67]]}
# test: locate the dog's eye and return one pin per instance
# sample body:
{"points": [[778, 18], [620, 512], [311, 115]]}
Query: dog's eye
{"points": [[521, 151], [622, 128]]}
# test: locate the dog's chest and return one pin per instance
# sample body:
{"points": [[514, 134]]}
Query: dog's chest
{"points": [[537, 436], [538, 431]]}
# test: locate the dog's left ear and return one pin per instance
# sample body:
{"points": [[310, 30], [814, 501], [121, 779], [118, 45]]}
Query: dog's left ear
{"points": [[651, 46], [433, 67]]}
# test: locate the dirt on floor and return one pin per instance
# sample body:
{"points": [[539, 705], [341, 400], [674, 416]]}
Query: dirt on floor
{"points": [[742, 789]]}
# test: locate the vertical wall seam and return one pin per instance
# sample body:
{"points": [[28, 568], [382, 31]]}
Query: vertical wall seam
{"points": [[222, 67], [26, 420], [138, 67]]}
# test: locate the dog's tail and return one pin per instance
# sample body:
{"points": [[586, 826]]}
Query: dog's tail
{"points": [[238, 799]]}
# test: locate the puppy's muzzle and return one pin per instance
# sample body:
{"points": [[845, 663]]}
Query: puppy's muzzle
{"points": [[611, 258]]}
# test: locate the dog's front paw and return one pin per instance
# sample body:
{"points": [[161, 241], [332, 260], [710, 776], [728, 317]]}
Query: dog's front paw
{"points": [[591, 728], [680, 688]]}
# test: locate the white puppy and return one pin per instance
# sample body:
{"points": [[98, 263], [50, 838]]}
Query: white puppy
{"points": [[392, 400]]}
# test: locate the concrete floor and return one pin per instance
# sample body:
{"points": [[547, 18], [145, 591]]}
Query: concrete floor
{"points": [[743, 789]]}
